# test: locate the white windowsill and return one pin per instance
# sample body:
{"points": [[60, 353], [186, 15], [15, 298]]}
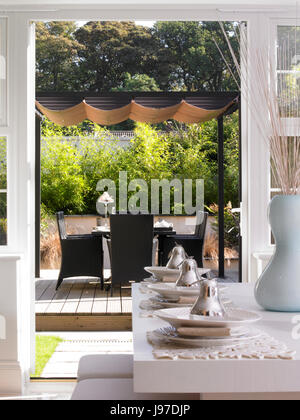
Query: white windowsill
{"points": [[10, 257], [263, 256]]}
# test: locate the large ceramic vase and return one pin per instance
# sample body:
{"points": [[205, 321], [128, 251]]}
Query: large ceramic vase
{"points": [[278, 288]]}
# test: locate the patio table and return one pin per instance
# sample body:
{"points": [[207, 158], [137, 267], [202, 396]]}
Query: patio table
{"points": [[160, 233], [217, 376]]}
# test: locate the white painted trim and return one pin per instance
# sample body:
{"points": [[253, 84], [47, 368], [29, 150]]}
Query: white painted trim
{"points": [[2, 327], [3, 77], [21, 137], [238, 4], [11, 382], [149, 12]]}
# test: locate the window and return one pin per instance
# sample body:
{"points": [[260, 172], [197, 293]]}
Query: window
{"points": [[288, 90], [3, 191], [288, 70], [3, 73]]}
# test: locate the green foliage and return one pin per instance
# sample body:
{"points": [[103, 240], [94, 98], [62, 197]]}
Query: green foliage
{"points": [[57, 56], [109, 50], [62, 182], [98, 56], [71, 170], [3, 163], [137, 83], [196, 64], [45, 347], [231, 224]]}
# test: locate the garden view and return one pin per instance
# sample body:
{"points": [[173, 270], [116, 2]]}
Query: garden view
{"points": [[125, 56]]}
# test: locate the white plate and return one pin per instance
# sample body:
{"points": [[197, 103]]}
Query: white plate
{"points": [[181, 317], [102, 229], [171, 291], [170, 335], [164, 303], [161, 272]]}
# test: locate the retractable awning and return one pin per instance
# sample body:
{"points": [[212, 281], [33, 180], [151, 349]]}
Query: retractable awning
{"points": [[114, 108]]}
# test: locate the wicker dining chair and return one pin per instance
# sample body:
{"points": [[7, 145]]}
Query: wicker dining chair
{"points": [[193, 243], [131, 247], [82, 255]]}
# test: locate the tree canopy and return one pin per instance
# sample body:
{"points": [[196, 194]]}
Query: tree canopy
{"points": [[106, 56]]}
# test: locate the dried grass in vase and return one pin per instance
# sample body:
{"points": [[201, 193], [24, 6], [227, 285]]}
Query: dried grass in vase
{"points": [[281, 100]]}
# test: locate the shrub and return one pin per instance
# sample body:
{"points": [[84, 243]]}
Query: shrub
{"points": [[62, 182], [70, 171], [231, 225]]}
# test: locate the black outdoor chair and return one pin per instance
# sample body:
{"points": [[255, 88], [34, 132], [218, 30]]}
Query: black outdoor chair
{"points": [[193, 244], [131, 248], [82, 255]]}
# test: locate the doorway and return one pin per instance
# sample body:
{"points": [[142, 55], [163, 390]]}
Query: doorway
{"points": [[220, 159]]}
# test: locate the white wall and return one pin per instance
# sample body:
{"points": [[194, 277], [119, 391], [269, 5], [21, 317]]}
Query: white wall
{"points": [[21, 137], [17, 272]]}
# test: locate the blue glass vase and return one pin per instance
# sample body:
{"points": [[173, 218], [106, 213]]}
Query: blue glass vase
{"points": [[278, 288]]}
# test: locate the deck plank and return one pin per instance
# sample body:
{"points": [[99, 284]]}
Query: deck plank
{"points": [[71, 304], [60, 297], [100, 302], [81, 306], [85, 305], [40, 288], [46, 298], [114, 305]]}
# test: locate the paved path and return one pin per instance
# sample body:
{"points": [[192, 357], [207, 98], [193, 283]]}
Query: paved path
{"points": [[64, 362]]}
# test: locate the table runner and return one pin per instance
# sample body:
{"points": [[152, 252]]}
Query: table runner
{"points": [[264, 347]]}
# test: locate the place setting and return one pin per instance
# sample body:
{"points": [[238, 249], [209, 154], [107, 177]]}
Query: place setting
{"points": [[209, 329], [182, 291], [171, 272]]}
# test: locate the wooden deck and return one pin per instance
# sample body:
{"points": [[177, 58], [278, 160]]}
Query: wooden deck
{"points": [[80, 305]]}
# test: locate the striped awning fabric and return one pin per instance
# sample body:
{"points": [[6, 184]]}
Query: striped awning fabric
{"points": [[110, 110]]}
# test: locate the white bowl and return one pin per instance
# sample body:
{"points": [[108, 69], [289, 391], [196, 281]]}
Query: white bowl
{"points": [[164, 303], [171, 291], [181, 317], [173, 274]]}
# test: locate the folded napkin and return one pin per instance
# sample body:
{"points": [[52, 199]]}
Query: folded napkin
{"points": [[170, 279], [101, 228], [186, 300], [162, 224], [204, 332]]}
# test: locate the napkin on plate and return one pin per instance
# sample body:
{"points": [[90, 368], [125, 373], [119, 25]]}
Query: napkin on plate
{"points": [[163, 224], [204, 332]]}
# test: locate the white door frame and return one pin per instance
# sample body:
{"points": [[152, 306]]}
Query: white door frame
{"points": [[21, 99]]}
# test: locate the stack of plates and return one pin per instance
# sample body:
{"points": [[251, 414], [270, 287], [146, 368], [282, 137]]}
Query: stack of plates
{"points": [[168, 295], [201, 331], [171, 291], [159, 273]]}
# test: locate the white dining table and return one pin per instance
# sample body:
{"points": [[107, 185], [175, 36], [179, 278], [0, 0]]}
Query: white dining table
{"points": [[218, 376]]}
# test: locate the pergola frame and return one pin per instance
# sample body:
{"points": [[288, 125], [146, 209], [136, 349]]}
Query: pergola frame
{"points": [[111, 100]]}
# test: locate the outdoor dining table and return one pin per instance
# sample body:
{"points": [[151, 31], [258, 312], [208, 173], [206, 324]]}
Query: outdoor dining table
{"points": [[158, 232], [217, 376]]}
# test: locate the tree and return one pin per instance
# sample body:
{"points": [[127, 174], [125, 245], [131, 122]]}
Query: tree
{"points": [[195, 62], [110, 50], [56, 51], [137, 83]]}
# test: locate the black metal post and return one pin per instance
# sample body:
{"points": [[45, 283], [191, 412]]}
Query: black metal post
{"points": [[37, 196], [221, 196]]}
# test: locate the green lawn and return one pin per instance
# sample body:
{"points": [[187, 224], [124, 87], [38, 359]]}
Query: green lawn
{"points": [[45, 347]]}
